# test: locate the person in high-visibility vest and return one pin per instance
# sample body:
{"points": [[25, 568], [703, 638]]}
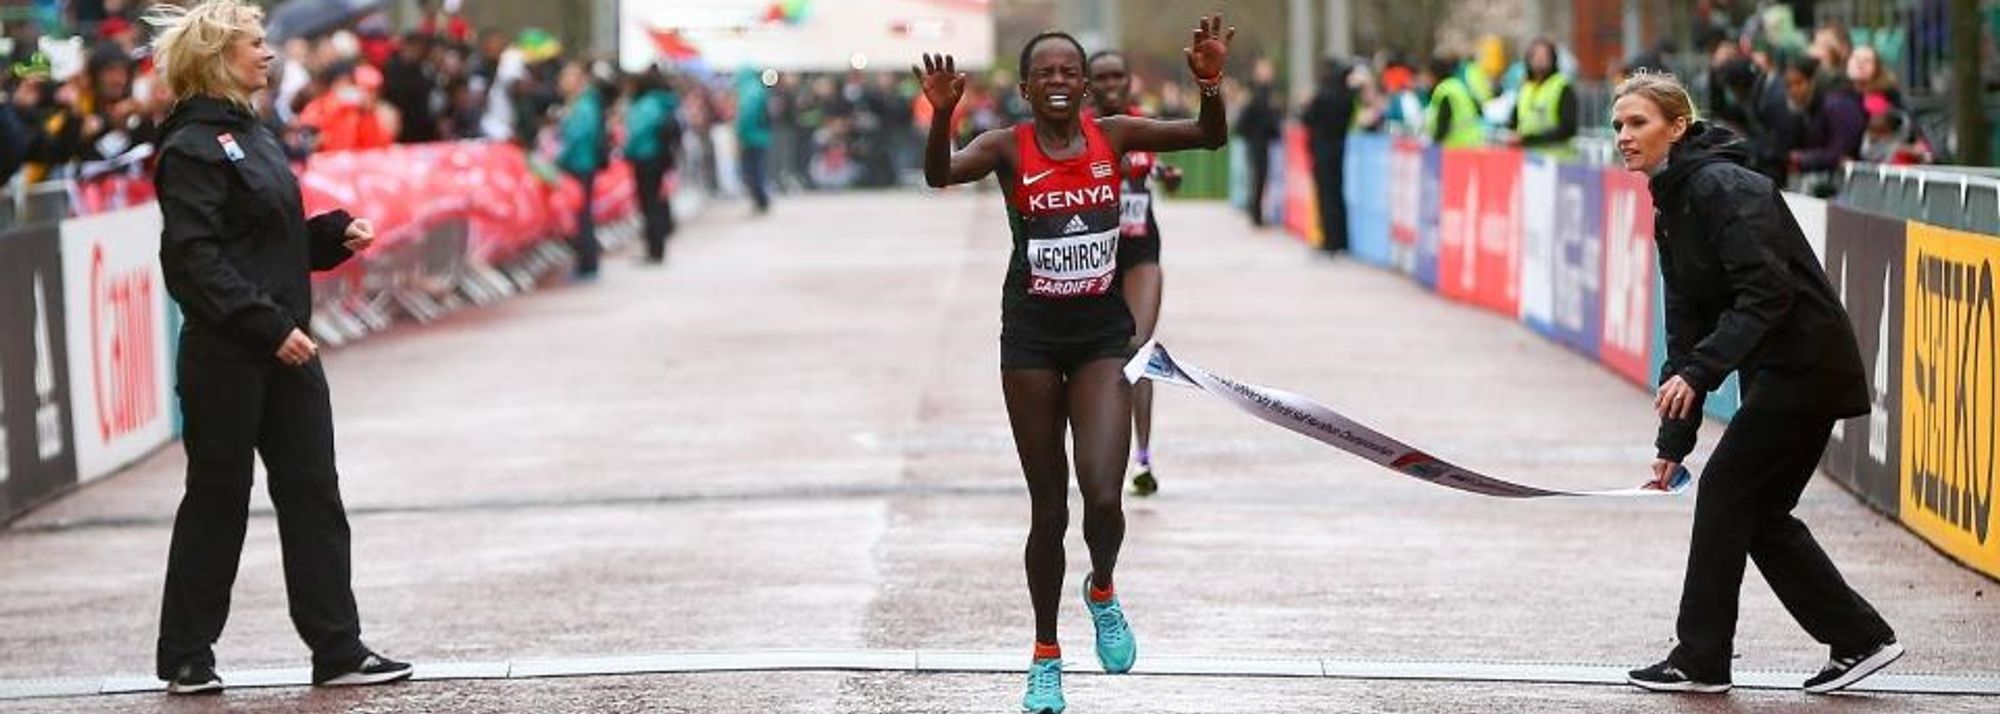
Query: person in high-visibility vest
{"points": [[1544, 117], [1453, 119]]}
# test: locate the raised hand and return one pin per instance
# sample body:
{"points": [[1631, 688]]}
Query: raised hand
{"points": [[1210, 48], [943, 84]]}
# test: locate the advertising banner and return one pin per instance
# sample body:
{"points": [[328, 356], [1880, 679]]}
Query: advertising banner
{"points": [[1498, 232], [37, 451], [811, 35], [1951, 392], [109, 193], [1458, 218], [1864, 256], [1430, 210], [117, 336], [1577, 295], [1811, 214], [1366, 183], [1406, 190], [1539, 196], [1627, 338]]}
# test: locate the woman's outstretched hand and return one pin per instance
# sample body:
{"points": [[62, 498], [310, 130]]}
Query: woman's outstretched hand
{"points": [[943, 84], [1211, 47]]}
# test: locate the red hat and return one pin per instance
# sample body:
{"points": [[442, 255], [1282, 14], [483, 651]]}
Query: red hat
{"points": [[113, 27], [1397, 78]]}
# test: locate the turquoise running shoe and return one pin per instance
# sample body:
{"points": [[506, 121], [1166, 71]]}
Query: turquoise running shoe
{"points": [[1044, 688], [1116, 649]]}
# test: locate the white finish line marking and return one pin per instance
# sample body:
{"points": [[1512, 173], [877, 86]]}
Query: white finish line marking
{"points": [[929, 661]]}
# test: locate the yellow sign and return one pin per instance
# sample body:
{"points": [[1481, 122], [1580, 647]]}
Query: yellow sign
{"points": [[1951, 393]]}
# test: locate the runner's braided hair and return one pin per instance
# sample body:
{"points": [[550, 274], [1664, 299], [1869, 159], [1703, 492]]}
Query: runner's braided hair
{"points": [[1029, 49]]}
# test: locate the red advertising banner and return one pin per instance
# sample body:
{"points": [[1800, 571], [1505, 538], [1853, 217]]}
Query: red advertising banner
{"points": [[1458, 215], [1301, 201], [109, 193], [1628, 277], [1497, 283]]}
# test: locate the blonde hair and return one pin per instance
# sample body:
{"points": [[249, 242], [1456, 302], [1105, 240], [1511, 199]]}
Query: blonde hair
{"points": [[193, 45], [1660, 88]]}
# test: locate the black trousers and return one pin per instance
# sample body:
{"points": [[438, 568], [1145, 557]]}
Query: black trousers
{"points": [[234, 408], [1331, 185], [751, 163], [1743, 508], [1260, 174], [654, 207], [588, 250]]}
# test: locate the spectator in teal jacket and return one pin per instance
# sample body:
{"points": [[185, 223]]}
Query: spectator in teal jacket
{"points": [[585, 150], [753, 135], [652, 134]]}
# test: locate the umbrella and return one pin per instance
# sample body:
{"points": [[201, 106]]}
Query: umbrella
{"points": [[305, 18]]}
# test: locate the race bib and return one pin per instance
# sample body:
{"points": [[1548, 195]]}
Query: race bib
{"points": [[1132, 209], [1072, 265]]}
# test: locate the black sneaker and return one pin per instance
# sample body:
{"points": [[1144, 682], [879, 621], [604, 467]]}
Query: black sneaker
{"points": [[195, 679], [1664, 677], [373, 669], [1144, 483], [1840, 672]]}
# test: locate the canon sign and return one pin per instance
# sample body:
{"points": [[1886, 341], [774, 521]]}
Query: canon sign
{"points": [[117, 343], [124, 318]]}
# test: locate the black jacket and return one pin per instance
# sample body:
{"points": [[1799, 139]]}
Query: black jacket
{"points": [[1777, 129], [408, 87], [1745, 293], [1260, 122], [236, 247], [1835, 127], [1328, 117]]}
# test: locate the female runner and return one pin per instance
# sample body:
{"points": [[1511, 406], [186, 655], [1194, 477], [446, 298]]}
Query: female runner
{"points": [[1065, 328]]}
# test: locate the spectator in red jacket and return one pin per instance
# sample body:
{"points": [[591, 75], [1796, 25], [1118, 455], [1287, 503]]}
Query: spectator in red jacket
{"points": [[350, 114]]}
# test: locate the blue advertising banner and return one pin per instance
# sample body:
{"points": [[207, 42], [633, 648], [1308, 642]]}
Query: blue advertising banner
{"points": [[1538, 243], [1577, 303], [1366, 174], [1426, 267]]}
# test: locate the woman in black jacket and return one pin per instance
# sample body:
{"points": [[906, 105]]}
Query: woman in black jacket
{"points": [[236, 250], [1744, 293]]}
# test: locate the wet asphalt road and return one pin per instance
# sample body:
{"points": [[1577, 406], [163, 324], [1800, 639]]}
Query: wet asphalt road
{"points": [[792, 437]]}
